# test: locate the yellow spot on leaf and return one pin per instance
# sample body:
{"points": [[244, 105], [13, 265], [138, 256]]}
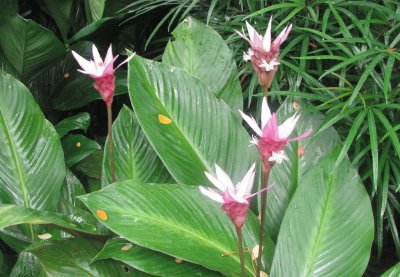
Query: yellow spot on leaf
{"points": [[78, 144], [126, 247], [45, 236], [164, 120], [263, 274], [66, 75], [177, 260], [102, 214]]}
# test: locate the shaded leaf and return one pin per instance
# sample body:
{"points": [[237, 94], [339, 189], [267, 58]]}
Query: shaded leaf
{"points": [[79, 121], [77, 147]]}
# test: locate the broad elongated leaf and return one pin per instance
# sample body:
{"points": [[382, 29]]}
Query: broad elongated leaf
{"points": [[79, 121], [29, 47], [328, 227], [177, 220], [202, 52], [150, 261], [28, 266], [303, 155], [14, 215], [72, 257], [135, 159], [31, 159], [187, 126]]}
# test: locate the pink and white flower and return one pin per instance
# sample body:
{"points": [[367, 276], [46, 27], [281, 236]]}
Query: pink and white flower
{"points": [[272, 138], [263, 52], [101, 71], [235, 199]]}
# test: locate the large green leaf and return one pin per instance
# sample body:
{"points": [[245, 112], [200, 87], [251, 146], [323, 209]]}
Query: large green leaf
{"points": [[77, 147], [393, 271], [150, 261], [287, 176], [32, 165], [202, 52], [78, 121], [28, 266], [29, 47], [328, 228], [176, 220], [135, 159], [189, 128], [13, 215], [72, 257]]}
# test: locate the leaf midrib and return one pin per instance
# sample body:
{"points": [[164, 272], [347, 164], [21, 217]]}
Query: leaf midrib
{"points": [[320, 230], [184, 230]]}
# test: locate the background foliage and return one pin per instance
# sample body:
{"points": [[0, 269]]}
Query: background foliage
{"points": [[340, 63]]}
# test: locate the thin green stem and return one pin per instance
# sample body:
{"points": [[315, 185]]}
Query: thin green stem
{"points": [[110, 142], [266, 169], [265, 91], [241, 253]]}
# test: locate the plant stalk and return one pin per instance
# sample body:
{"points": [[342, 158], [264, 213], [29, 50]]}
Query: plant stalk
{"points": [[266, 169], [241, 253], [110, 142]]}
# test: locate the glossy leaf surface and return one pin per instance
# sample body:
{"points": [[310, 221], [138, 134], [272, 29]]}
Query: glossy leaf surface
{"points": [[29, 47], [135, 158], [150, 261], [393, 271], [328, 228], [79, 121], [176, 220], [31, 159], [201, 51], [188, 127], [303, 155], [72, 257]]}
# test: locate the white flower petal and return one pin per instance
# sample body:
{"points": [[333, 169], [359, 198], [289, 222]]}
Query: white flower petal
{"points": [[251, 31], [278, 157], [109, 57], [211, 194], [252, 123], [223, 177], [265, 113], [86, 65], [97, 59], [267, 37], [287, 127], [244, 187], [216, 182]]}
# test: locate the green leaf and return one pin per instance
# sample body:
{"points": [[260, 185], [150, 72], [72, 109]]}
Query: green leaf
{"points": [[32, 166], [29, 47], [91, 165], [11, 215], [203, 53], [389, 128], [61, 12], [393, 271], [374, 147], [188, 127], [176, 220], [135, 159], [149, 261], [77, 147], [72, 257], [79, 121], [287, 176], [77, 90], [94, 9], [328, 227], [28, 266]]}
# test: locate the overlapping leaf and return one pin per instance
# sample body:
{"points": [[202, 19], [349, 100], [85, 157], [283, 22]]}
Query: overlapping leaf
{"points": [[202, 52], [135, 158], [176, 220], [328, 228], [189, 128]]}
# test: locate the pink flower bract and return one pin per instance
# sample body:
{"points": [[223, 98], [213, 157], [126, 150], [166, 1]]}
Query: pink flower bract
{"points": [[235, 200], [101, 71], [272, 138], [263, 52]]}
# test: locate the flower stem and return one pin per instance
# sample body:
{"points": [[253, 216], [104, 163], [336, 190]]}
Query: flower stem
{"points": [[241, 253], [266, 169], [265, 91], [110, 142]]}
